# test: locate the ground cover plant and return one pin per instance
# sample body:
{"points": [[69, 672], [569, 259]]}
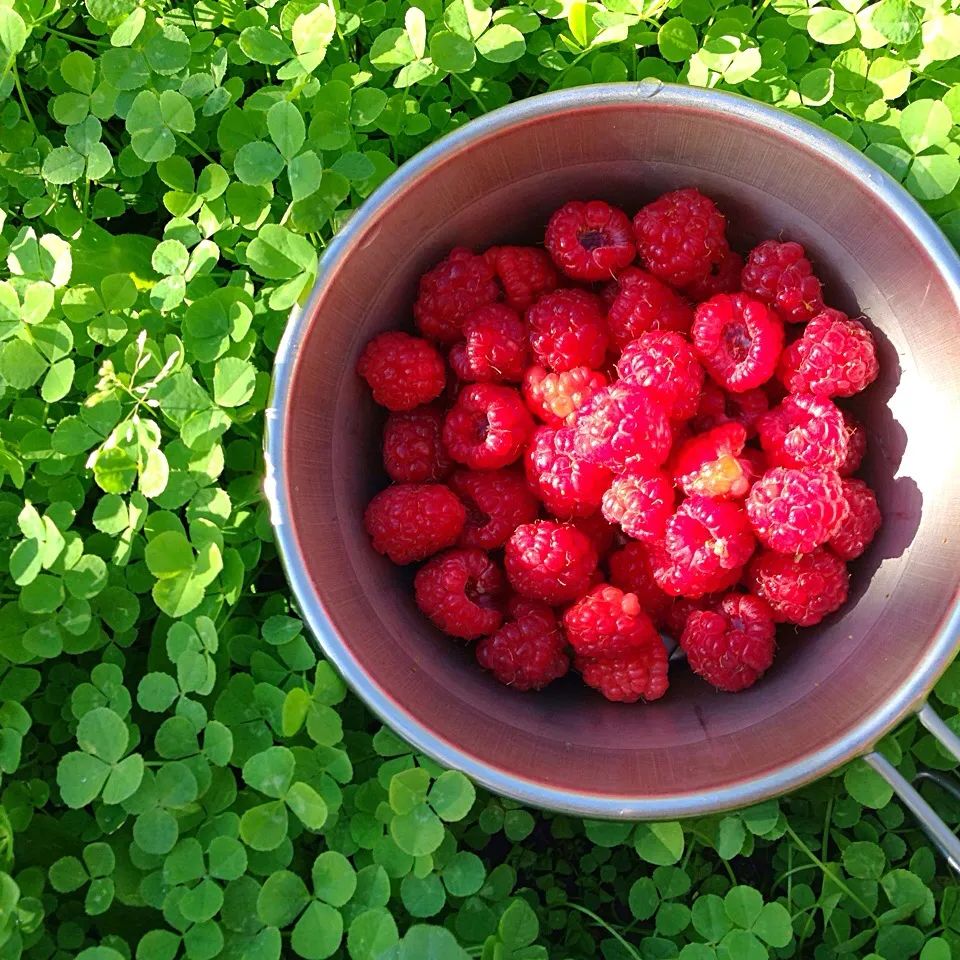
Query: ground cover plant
{"points": [[182, 775]]}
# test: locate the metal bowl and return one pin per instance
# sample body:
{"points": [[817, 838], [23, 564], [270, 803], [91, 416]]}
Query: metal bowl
{"points": [[834, 690]]}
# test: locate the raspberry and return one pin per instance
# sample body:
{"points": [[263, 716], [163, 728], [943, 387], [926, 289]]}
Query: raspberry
{"points": [[862, 522], [488, 427], [641, 500], [608, 623], [795, 510], [496, 502], [681, 608], [550, 561], [710, 464], [723, 278], [835, 357], [556, 397], [738, 339], [856, 446], [451, 291], [781, 276], [590, 241], [731, 646], [525, 273], [641, 303], [567, 330], [602, 534], [403, 371], [706, 545], [495, 347], [800, 589], [527, 652], [664, 364], [411, 521], [413, 450], [568, 485], [630, 571], [681, 236], [620, 424], [461, 591], [639, 675], [718, 407], [804, 431]]}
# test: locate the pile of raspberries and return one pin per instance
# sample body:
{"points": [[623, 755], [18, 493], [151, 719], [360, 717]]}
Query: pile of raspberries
{"points": [[587, 452]]}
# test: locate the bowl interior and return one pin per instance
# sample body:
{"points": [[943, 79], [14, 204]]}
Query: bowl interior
{"points": [[657, 758]]}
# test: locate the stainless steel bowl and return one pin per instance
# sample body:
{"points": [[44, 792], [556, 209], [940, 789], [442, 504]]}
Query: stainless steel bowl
{"points": [[835, 690]]}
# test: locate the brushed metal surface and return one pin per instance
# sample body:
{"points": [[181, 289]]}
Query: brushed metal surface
{"points": [[834, 690]]}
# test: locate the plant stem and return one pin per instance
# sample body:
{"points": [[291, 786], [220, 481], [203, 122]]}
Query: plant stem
{"points": [[603, 923]]}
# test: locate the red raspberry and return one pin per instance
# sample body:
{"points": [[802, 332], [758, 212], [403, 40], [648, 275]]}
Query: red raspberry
{"points": [[602, 534], [835, 357], [413, 450], [781, 276], [630, 571], [608, 623], [411, 521], [804, 431], [664, 363], [710, 464], [568, 485], [640, 303], [723, 278], [527, 652], [638, 675], [550, 561], [856, 446], [556, 397], [739, 340], [731, 646], [525, 272], [855, 533], [681, 608], [488, 427], [800, 589], [590, 241], [641, 500], [718, 407], [403, 371], [704, 550], [680, 236], [795, 510], [567, 330], [496, 502], [621, 424], [461, 591], [495, 347], [451, 291]]}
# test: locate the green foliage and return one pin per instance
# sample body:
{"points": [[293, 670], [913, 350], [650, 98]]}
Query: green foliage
{"points": [[180, 775]]}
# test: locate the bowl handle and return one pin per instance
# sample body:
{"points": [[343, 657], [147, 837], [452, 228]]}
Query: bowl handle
{"points": [[942, 836]]}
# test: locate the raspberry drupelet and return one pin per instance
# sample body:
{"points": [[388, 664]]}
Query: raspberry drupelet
{"points": [[804, 431], [781, 276], [738, 340], [794, 510], [412, 521], [403, 372], [717, 407], [451, 291], [630, 572], [641, 501], [800, 589], [590, 241], [681, 236], [860, 526], [549, 561], [723, 278], [732, 645], [641, 303], [568, 485], [638, 675], [496, 502], [608, 623], [525, 274], [494, 347], [710, 464], [527, 652], [555, 398], [413, 450], [665, 364], [567, 329], [461, 592], [488, 427]]}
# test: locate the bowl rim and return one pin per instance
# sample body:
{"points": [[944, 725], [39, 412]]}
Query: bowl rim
{"points": [[848, 745]]}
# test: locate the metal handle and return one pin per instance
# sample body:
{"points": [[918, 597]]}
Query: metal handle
{"points": [[945, 839]]}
